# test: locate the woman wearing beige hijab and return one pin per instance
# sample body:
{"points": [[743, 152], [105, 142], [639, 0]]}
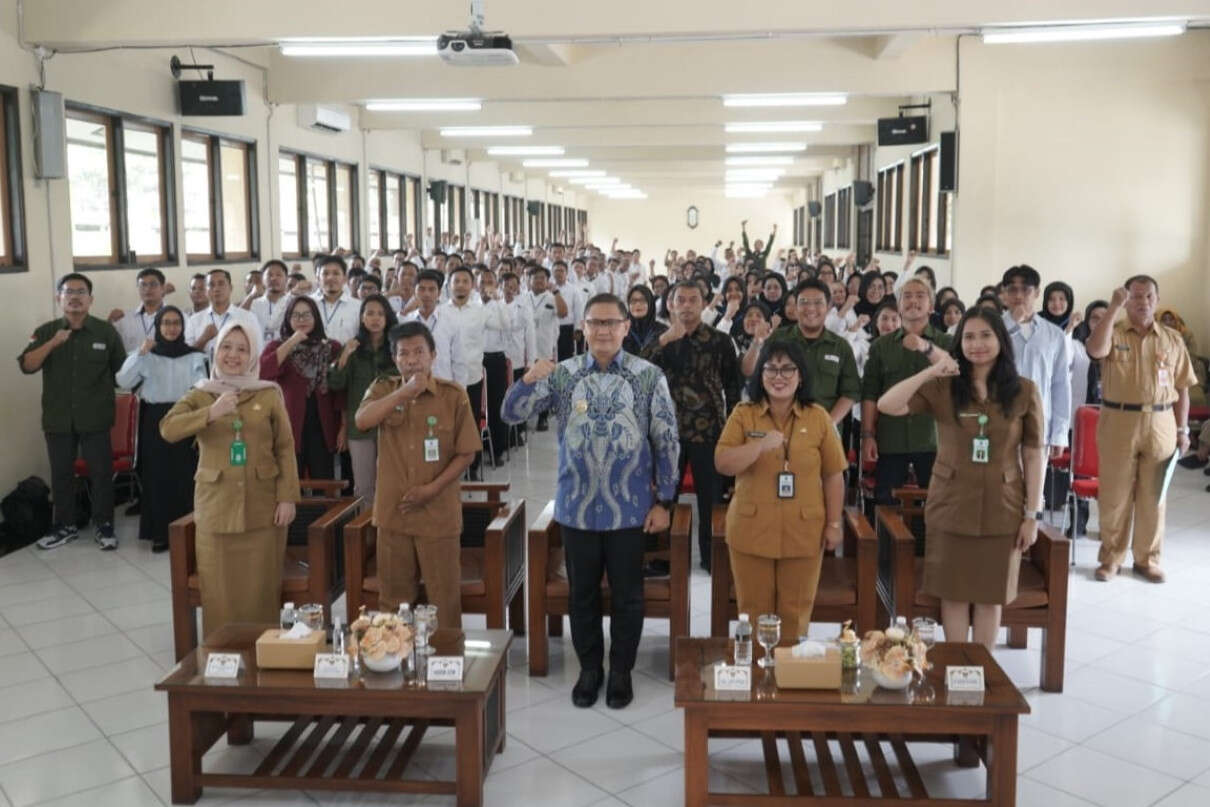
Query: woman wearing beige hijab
{"points": [[246, 483]]}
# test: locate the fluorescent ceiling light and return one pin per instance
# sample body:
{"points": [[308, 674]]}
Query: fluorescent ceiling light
{"points": [[487, 131], [632, 194], [425, 105], [786, 99], [756, 174], [1080, 33], [365, 46], [612, 189], [744, 192], [594, 180], [578, 173], [768, 126], [760, 160], [525, 151], [749, 185], [758, 148], [571, 163]]}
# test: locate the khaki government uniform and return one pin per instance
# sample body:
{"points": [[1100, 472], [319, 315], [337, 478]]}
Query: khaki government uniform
{"points": [[425, 538], [776, 545], [974, 509], [1133, 446], [239, 550]]}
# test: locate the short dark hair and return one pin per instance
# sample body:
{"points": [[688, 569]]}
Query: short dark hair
{"points": [[70, 276], [792, 350], [685, 284], [607, 299], [297, 277], [151, 272], [577, 260], [431, 274], [557, 264], [330, 259], [1142, 279], [224, 272], [462, 268], [507, 276], [1025, 273], [537, 268], [356, 271], [813, 283], [267, 265], [287, 330], [196, 276], [374, 280], [407, 330]]}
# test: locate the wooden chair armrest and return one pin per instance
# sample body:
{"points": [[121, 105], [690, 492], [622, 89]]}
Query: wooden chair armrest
{"points": [[1051, 553], [494, 490], [499, 552], [358, 546], [538, 551], [902, 555], [331, 488], [855, 523], [718, 521], [679, 536], [182, 535], [862, 536], [332, 517]]}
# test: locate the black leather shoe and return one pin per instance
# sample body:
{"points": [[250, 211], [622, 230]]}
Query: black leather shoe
{"points": [[1192, 462], [619, 692], [587, 688]]}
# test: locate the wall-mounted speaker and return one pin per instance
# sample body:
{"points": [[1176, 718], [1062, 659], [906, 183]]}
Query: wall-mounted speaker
{"points": [[437, 191], [50, 135], [949, 161], [903, 131], [211, 97], [863, 192], [533, 208], [815, 209]]}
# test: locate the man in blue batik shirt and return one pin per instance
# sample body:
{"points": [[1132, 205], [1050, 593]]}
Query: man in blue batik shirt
{"points": [[618, 450]]}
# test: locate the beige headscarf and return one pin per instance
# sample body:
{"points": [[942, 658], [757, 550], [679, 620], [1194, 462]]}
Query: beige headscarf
{"points": [[250, 379]]}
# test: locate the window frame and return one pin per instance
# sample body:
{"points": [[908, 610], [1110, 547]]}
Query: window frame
{"points": [[407, 227], [115, 122], [305, 248], [214, 142], [12, 196], [829, 221], [844, 218], [927, 236]]}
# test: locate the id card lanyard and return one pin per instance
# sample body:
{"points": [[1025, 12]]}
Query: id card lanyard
{"points": [[980, 444], [785, 479], [239, 449], [431, 452]]}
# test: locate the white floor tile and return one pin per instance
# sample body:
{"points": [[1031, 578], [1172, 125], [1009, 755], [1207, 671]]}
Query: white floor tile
{"points": [[145, 749], [1031, 793], [619, 759], [132, 792], [20, 569], [1144, 742], [668, 790], [557, 724], [1160, 667], [21, 668], [651, 697], [33, 591], [106, 578], [11, 643], [1103, 779], [1184, 713], [152, 638], [540, 782], [101, 650], [1098, 686], [139, 616], [1071, 719], [69, 629], [142, 707], [32, 613], [1187, 796], [61, 773], [1035, 747], [120, 596], [96, 683], [23, 700], [49, 731]]}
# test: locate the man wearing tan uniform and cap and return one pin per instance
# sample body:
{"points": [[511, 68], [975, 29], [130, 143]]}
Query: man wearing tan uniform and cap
{"points": [[1145, 378], [427, 437]]}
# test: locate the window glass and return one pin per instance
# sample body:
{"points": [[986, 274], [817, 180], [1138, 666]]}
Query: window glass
{"points": [[195, 195], [88, 142], [319, 233], [287, 183], [233, 162]]}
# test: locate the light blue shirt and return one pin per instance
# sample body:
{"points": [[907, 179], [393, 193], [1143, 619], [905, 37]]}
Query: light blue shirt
{"points": [[164, 380], [617, 438], [1043, 358]]}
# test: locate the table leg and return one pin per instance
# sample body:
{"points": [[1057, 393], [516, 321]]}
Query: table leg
{"points": [[697, 778], [239, 729], [184, 756], [469, 752], [1002, 762]]}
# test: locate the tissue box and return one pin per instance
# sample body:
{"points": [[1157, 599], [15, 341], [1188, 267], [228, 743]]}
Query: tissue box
{"points": [[274, 653], [807, 673]]}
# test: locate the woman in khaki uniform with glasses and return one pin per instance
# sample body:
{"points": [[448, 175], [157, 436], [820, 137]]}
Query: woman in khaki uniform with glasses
{"points": [[789, 467], [246, 483]]}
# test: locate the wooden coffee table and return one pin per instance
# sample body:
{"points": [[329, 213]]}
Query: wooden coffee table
{"points": [[814, 722], [341, 736]]}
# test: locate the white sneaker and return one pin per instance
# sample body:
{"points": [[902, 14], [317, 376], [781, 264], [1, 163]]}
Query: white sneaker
{"points": [[59, 536]]}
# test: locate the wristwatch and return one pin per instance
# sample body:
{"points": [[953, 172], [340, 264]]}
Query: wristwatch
{"points": [[1036, 515], [1182, 429], [928, 351], [667, 504]]}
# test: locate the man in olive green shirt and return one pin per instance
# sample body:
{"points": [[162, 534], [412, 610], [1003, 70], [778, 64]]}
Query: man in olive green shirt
{"points": [[835, 384], [897, 443], [78, 355]]}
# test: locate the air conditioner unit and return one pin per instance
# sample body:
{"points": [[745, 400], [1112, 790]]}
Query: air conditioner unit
{"points": [[516, 176], [453, 156], [324, 118]]}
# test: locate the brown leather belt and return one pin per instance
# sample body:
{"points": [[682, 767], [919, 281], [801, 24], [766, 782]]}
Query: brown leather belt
{"points": [[1137, 407]]}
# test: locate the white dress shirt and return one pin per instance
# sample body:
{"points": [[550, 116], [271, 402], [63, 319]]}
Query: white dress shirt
{"points": [[341, 319], [1041, 351], [520, 344], [270, 314], [471, 321], [838, 324], [449, 346], [207, 316], [136, 327], [575, 304], [546, 324]]}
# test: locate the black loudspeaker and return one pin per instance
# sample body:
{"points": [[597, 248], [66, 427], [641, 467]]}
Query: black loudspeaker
{"points": [[533, 208], [437, 191], [863, 192], [211, 97], [815, 209], [903, 131], [949, 161]]}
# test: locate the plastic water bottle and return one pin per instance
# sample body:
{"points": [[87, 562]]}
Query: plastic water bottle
{"points": [[287, 616], [405, 614], [743, 642]]}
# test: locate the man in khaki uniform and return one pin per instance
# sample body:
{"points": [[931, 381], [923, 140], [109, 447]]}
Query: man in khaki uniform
{"points": [[1145, 378], [427, 436]]}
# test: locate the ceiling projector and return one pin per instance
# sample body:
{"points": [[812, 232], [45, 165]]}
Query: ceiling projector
{"points": [[475, 48]]}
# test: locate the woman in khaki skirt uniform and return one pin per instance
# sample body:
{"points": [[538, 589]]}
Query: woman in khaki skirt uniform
{"points": [[985, 494], [246, 483]]}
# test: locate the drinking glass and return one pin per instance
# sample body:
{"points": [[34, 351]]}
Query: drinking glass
{"points": [[926, 628], [768, 633], [426, 625], [312, 615]]}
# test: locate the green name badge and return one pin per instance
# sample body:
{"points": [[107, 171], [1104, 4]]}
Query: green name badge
{"points": [[239, 452]]}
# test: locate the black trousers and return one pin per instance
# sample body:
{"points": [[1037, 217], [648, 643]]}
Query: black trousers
{"points": [[495, 375], [892, 472], [700, 457], [315, 459], [517, 373], [95, 448], [475, 393], [620, 554], [567, 342], [168, 470]]}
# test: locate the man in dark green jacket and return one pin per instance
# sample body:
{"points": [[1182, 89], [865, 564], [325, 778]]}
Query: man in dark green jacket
{"points": [[78, 355]]}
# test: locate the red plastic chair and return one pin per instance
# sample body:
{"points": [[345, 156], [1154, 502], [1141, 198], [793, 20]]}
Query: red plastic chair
{"points": [[1083, 468], [1057, 465], [687, 482], [123, 441]]}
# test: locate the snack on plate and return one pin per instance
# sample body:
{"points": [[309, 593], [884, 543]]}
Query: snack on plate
{"points": [[381, 634]]}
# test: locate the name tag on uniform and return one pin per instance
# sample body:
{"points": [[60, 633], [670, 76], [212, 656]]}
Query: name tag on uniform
{"points": [[832, 357], [1164, 377], [785, 485], [98, 345], [980, 449], [431, 453]]}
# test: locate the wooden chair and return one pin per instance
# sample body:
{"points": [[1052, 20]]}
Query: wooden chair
{"points": [[846, 581], [1041, 589], [311, 572], [663, 597], [493, 557]]}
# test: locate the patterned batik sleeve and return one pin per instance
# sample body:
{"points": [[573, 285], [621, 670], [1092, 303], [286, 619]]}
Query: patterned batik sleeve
{"points": [[522, 401], [665, 444]]}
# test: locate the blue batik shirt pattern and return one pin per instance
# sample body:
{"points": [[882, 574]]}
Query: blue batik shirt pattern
{"points": [[618, 444]]}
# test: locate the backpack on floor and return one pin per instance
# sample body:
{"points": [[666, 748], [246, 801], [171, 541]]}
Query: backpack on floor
{"points": [[27, 514]]}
